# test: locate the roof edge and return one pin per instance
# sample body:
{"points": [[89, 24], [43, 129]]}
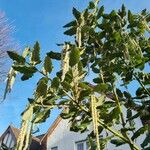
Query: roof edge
{"points": [[52, 128]]}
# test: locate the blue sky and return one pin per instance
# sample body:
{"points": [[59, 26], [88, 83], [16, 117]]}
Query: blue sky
{"points": [[42, 20]]}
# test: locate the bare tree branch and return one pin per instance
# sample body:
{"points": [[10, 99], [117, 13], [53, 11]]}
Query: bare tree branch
{"points": [[6, 43]]}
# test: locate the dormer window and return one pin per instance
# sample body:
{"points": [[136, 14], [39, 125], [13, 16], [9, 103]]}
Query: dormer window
{"points": [[8, 140]]}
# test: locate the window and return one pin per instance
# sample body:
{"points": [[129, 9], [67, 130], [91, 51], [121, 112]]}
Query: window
{"points": [[8, 140], [12, 144], [5, 138], [81, 145], [54, 148]]}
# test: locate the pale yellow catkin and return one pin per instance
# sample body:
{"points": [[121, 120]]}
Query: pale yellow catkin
{"points": [[95, 119], [20, 141], [27, 137], [65, 60]]}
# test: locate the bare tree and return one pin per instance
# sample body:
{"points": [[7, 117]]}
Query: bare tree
{"points": [[6, 43]]}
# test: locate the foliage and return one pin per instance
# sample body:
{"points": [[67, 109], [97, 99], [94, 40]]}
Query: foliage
{"points": [[113, 50]]}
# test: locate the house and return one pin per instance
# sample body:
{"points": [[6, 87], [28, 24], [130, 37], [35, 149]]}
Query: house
{"points": [[59, 137], [9, 139]]}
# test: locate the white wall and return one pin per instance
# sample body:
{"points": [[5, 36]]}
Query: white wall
{"points": [[65, 139]]}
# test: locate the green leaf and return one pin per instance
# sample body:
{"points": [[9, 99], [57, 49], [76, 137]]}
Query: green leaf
{"points": [[134, 116], [95, 70], [127, 95], [31, 100], [102, 87], [71, 31], [80, 66], [144, 12], [117, 142], [66, 85], [119, 93], [54, 55], [139, 91], [113, 14], [123, 11], [84, 94], [131, 19], [70, 24], [131, 128], [63, 102], [26, 76], [55, 83], [146, 141], [117, 37], [128, 76], [91, 5], [109, 104], [48, 65], [76, 13], [84, 85], [83, 126], [97, 80], [114, 114], [50, 100], [129, 113], [35, 56], [85, 29], [74, 57], [24, 69], [41, 89], [41, 116], [65, 115], [139, 132], [100, 12], [16, 57]]}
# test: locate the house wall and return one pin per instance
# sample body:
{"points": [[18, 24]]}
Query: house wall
{"points": [[65, 139]]}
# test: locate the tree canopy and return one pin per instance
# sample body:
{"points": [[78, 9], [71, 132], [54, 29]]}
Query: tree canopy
{"points": [[113, 50]]}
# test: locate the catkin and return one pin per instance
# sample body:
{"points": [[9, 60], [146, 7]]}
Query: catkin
{"points": [[65, 60], [21, 139], [95, 119]]}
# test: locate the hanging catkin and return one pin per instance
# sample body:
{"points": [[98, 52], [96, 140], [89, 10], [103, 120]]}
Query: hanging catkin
{"points": [[75, 69], [24, 136], [65, 60], [20, 140], [95, 119], [28, 134]]}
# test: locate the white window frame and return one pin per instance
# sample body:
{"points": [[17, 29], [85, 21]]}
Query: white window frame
{"points": [[80, 142]]}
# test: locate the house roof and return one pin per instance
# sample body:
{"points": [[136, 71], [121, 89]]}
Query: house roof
{"points": [[40, 136], [35, 144], [16, 131], [13, 131], [50, 130]]}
